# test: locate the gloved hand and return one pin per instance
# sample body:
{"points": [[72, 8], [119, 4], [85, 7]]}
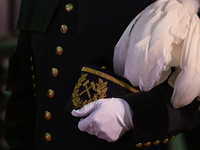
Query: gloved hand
{"points": [[108, 119]]}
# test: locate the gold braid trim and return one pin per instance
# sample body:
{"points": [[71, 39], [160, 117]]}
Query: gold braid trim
{"points": [[100, 87], [110, 78]]}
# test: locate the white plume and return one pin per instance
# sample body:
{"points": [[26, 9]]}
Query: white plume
{"points": [[193, 4], [166, 34]]}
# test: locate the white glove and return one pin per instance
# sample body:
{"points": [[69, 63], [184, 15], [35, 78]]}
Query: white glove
{"points": [[108, 118]]}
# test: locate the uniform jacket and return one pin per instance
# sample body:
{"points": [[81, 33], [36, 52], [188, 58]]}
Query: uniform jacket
{"points": [[42, 77]]}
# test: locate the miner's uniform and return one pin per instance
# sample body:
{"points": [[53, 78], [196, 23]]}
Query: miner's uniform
{"points": [[57, 38]]}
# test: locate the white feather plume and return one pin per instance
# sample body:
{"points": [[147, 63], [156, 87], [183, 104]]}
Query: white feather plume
{"points": [[166, 34]]}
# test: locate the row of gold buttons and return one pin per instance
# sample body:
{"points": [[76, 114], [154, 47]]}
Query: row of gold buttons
{"points": [[54, 71], [64, 27], [155, 143], [33, 75]]}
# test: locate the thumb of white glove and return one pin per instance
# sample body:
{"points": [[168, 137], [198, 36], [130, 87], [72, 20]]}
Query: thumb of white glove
{"points": [[108, 118]]}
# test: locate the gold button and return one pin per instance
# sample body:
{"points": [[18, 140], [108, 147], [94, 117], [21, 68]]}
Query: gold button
{"points": [[103, 67], [69, 7], [59, 50], [63, 28], [147, 144], [47, 115], [33, 77], [34, 85], [50, 93], [156, 142], [47, 136], [31, 59], [32, 68], [54, 72], [165, 141], [173, 137], [139, 145]]}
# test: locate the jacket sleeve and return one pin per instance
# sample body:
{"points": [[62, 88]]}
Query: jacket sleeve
{"points": [[21, 106], [155, 120]]}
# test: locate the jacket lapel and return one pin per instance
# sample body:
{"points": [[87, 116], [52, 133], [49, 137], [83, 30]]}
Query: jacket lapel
{"points": [[34, 11]]}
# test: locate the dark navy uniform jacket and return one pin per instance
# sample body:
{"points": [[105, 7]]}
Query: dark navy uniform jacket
{"points": [[57, 38]]}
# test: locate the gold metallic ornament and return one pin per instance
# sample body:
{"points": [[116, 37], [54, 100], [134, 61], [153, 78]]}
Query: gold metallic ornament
{"points": [[165, 141], [32, 68], [156, 142], [172, 138], [34, 86], [147, 144], [54, 72], [47, 136], [31, 59], [139, 145], [47, 115], [69, 7], [103, 67], [59, 50], [50, 93], [63, 28], [33, 77]]}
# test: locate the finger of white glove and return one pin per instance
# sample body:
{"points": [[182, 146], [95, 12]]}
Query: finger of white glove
{"points": [[84, 124], [84, 111]]}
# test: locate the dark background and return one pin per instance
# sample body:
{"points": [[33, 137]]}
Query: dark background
{"points": [[9, 10]]}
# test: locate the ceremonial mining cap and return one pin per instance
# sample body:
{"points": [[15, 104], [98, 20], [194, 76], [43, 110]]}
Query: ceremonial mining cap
{"points": [[96, 83]]}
